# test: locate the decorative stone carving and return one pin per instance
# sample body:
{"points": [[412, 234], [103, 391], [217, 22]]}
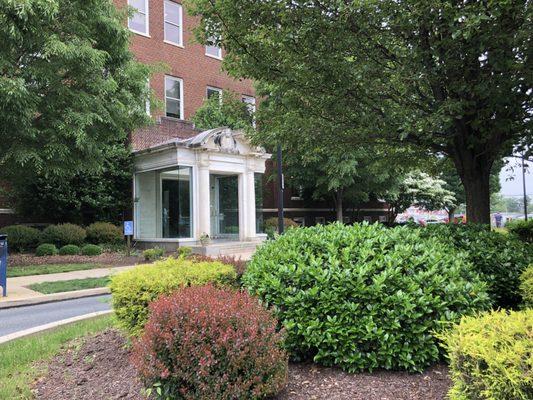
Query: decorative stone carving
{"points": [[225, 142]]}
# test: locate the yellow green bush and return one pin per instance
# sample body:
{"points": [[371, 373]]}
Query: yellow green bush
{"points": [[490, 356], [526, 286], [135, 289]]}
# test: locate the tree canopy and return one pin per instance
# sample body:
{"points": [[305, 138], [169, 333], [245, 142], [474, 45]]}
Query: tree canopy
{"points": [[451, 77], [227, 110], [68, 85]]}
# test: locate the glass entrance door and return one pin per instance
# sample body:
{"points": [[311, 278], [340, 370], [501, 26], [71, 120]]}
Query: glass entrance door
{"points": [[225, 206]]}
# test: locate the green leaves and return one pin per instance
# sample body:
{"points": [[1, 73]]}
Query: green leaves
{"points": [[363, 296]]}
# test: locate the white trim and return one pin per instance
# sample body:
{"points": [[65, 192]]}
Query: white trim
{"points": [[215, 57], [320, 209], [181, 99], [180, 24], [147, 20]]}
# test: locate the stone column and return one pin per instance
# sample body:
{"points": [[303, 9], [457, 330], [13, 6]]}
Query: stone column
{"points": [[247, 202], [204, 202]]}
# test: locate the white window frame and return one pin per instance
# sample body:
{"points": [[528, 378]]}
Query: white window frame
{"points": [[219, 54], [214, 89], [180, 26], [251, 104], [181, 99], [147, 18]]}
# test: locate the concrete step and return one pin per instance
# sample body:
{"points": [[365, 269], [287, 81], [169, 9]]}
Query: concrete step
{"points": [[243, 249]]}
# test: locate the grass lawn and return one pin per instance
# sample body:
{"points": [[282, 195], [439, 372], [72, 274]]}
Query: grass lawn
{"points": [[69, 286], [17, 358], [27, 270]]}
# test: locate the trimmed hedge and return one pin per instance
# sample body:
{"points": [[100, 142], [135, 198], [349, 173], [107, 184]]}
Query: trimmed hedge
{"points": [[522, 229], [364, 296], [91, 250], [133, 290], [69, 250], [64, 234], [490, 356], [526, 286], [46, 249], [499, 259], [208, 343], [21, 238], [104, 233]]}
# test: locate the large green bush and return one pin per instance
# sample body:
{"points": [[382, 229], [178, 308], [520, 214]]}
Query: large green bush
{"points": [[498, 258], [363, 296], [522, 229], [490, 356], [104, 233], [21, 238], [526, 286], [135, 289], [91, 250], [69, 250], [64, 234]]}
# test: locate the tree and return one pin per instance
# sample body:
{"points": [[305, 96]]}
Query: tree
{"points": [[68, 86], [421, 190], [227, 111], [101, 194], [450, 77]]}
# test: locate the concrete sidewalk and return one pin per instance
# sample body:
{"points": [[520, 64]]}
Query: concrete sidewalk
{"points": [[18, 292]]}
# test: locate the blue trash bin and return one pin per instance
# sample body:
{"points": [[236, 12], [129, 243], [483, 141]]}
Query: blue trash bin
{"points": [[3, 264]]}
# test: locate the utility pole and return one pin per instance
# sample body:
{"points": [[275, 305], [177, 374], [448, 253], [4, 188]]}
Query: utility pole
{"points": [[281, 188], [524, 185]]}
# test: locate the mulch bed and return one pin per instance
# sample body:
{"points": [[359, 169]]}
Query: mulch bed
{"points": [[100, 369], [107, 258]]}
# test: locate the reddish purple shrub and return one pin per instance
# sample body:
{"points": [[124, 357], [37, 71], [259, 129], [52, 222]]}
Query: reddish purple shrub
{"points": [[208, 343]]}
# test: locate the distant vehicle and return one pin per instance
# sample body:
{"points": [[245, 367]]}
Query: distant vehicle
{"points": [[435, 221]]}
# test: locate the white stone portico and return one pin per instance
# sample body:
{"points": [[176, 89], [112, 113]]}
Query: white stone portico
{"points": [[203, 185]]}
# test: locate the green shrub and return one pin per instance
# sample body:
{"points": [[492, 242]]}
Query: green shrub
{"points": [[46, 249], [499, 259], [184, 251], [133, 290], [64, 234], [272, 224], [363, 296], [153, 254], [526, 286], [522, 229], [69, 250], [490, 356], [21, 238], [91, 250], [104, 233], [204, 343]]}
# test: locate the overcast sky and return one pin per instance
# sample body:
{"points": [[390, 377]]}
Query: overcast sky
{"points": [[513, 187]]}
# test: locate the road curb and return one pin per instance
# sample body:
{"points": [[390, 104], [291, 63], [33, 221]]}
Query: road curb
{"points": [[50, 298], [51, 325]]}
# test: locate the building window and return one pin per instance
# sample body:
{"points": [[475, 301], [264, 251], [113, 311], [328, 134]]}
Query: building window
{"points": [[176, 204], [173, 97], [250, 102], [173, 23], [138, 22], [212, 50], [213, 91]]}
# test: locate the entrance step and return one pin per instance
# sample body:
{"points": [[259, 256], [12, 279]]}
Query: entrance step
{"points": [[243, 250]]}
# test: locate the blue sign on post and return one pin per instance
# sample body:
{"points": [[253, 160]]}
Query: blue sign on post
{"points": [[128, 228], [3, 264]]}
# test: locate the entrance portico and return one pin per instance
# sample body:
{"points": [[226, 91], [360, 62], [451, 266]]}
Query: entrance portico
{"points": [[205, 185]]}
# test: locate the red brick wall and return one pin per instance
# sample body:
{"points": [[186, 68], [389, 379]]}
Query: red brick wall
{"points": [[188, 63]]}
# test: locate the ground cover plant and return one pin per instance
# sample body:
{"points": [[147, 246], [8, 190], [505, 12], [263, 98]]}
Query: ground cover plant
{"points": [[490, 356], [364, 296], [70, 285], [135, 289], [499, 259], [208, 343], [17, 370], [21, 237]]}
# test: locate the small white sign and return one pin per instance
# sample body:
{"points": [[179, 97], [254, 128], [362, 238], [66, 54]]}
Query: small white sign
{"points": [[128, 228]]}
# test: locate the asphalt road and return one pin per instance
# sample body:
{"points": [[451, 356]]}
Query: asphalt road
{"points": [[20, 318]]}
